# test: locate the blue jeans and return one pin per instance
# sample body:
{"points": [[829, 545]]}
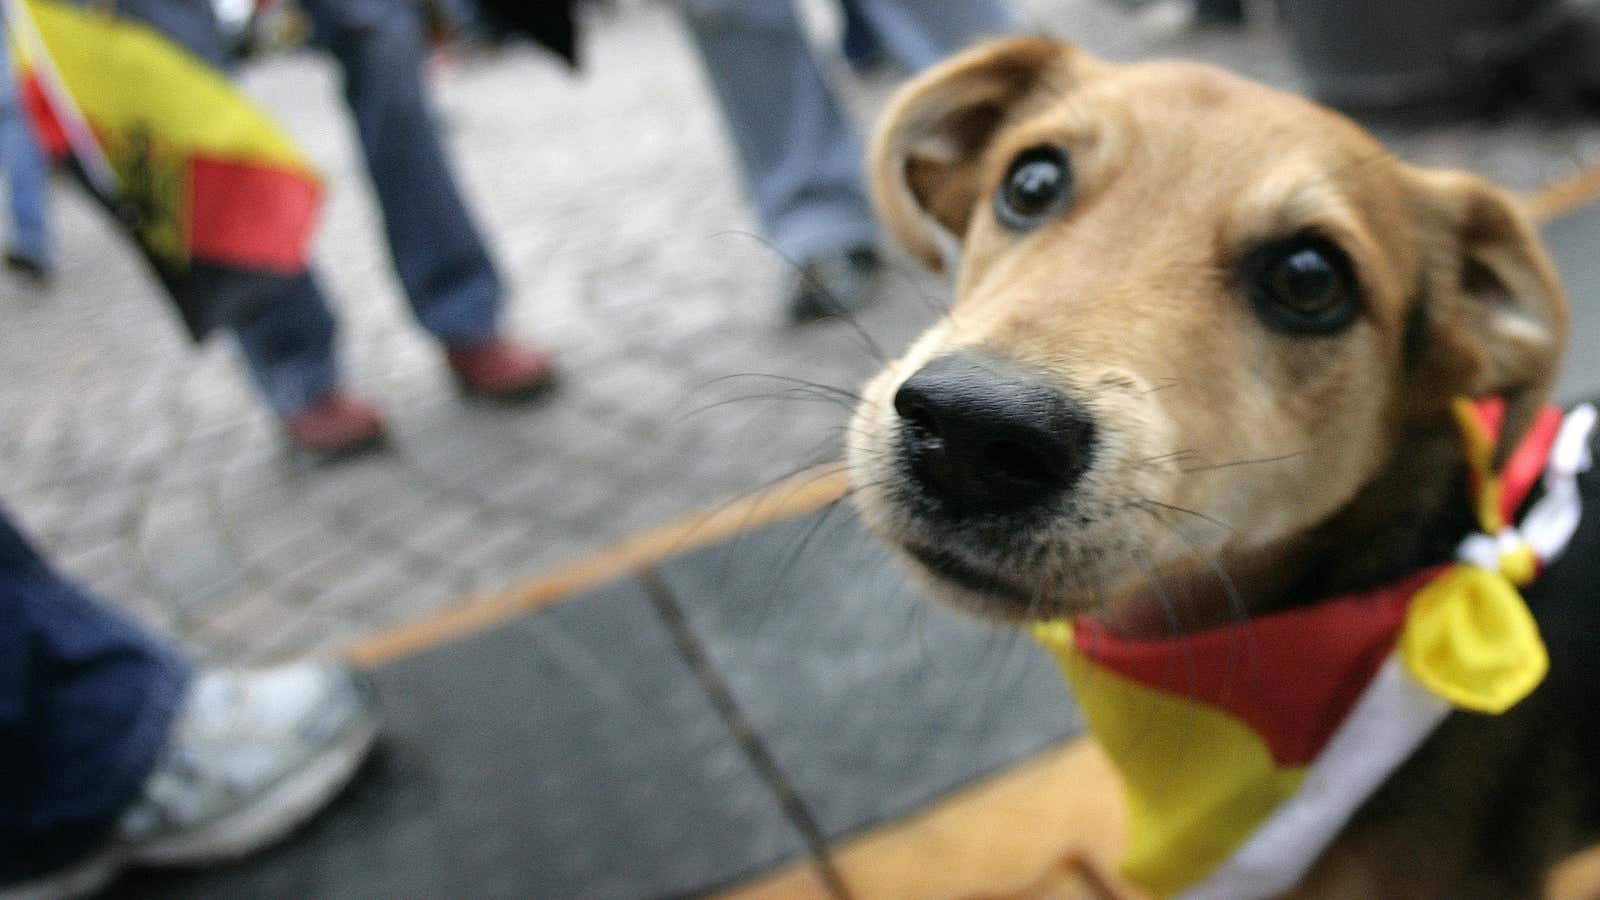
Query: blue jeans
{"points": [[440, 257], [86, 701], [27, 177], [799, 153]]}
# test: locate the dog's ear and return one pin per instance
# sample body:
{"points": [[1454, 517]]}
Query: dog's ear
{"points": [[925, 154], [1496, 316]]}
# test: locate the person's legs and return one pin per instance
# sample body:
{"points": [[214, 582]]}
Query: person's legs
{"points": [[190, 23], [438, 253], [27, 179], [288, 344], [113, 752], [920, 33], [285, 328], [86, 701], [799, 153], [858, 41]]}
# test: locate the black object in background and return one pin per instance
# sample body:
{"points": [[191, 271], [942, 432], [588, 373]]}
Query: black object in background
{"points": [[1383, 55], [548, 23]]}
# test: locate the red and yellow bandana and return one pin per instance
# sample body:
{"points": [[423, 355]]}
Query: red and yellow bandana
{"points": [[1244, 749]]}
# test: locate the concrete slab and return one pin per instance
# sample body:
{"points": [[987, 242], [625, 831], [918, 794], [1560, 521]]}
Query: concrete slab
{"points": [[570, 753], [872, 700]]}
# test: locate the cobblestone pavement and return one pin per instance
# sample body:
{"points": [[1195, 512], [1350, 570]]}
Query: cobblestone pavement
{"points": [[148, 470]]}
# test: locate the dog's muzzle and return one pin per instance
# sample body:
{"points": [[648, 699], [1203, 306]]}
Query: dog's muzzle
{"points": [[980, 436]]}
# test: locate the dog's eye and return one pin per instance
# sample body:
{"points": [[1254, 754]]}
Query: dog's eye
{"points": [[1037, 185], [1302, 285]]}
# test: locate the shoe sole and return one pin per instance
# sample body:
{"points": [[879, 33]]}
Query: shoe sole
{"points": [[81, 880], [536, 390], [320, 455], [284, 807]]}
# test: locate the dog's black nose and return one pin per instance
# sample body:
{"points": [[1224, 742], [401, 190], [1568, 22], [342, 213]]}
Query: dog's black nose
{"points": [[982, 435]]}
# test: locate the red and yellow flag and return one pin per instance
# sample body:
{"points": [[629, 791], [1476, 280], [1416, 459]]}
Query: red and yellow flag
{"points": [[216, 194]]}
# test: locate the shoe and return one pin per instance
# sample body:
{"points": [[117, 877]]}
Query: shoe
{"points": [[35, 270], [250, 756], [835, 284], [499, 369], [338, 425]]}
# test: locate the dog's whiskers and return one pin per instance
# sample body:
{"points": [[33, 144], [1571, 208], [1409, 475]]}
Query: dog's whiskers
{"points": [[838, 310], [1168, 457], [797, 395], [1246, 462], [1147, 502], [802, 382]]}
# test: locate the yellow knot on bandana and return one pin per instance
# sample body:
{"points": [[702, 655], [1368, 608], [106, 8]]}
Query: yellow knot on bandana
{"points": [[1469, 636]]}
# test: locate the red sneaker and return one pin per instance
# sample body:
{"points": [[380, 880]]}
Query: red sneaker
{"points": [[337, 425], [500, 369]]}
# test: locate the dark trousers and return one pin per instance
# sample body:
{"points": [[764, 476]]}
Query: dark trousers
{"points": [[290, 342], [86, 700]]}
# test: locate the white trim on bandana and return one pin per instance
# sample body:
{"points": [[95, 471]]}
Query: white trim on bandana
{"points": [[1393, 717], [1549, 525]]}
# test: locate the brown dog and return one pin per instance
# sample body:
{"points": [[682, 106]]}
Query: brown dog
{"points": [[1200, 365]]}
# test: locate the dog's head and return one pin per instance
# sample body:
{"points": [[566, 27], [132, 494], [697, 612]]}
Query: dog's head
{"points": [[1196, 320]]}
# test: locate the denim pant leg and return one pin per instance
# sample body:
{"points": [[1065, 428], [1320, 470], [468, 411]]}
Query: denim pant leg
{"points": [[920, 33], [286, 331], [27, 178], [289, 342], [86, 701], [441, 259], [800, 154], [189, 23]]}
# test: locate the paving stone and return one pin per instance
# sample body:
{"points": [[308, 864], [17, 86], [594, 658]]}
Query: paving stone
{"points": [[184, 552], [440, 532], [298, 634], [306, 575], [379, 518], [502, 541], [475, 471], [405, 602], [646, 388], [353, 481], [531, 485], [99, 513], [374, 577], [511, 564], [258, 525], [95, 561], [246, 616]]}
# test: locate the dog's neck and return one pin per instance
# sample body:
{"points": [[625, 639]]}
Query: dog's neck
{"points": [[1411, 516]]}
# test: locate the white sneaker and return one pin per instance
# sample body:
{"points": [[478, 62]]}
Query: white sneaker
{"points": [[250, 756]]}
